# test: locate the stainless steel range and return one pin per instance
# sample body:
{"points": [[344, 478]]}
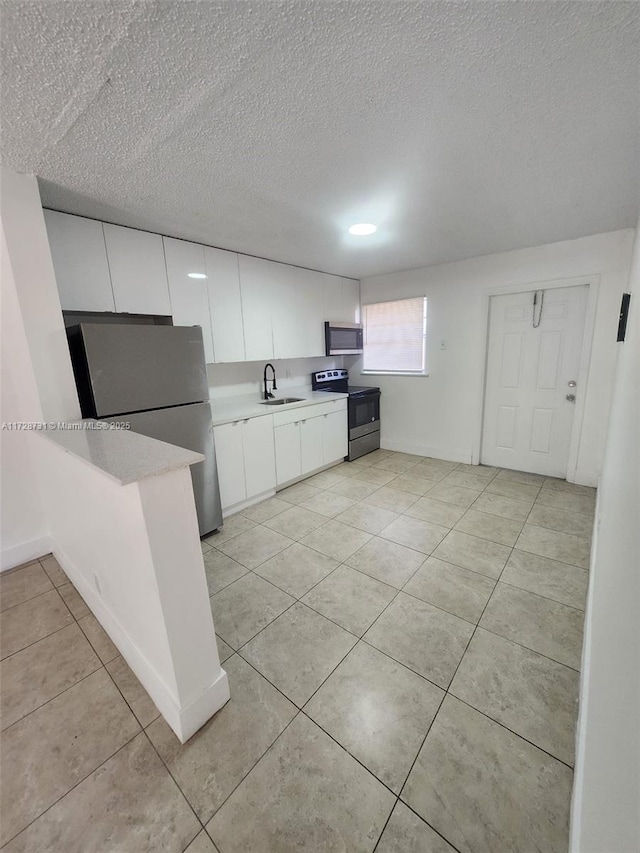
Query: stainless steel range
{"points": [[363, 409]]}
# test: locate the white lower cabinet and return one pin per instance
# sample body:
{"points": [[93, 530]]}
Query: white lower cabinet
{"points": [[230, 462], [259, 455], [246, 459], [311, 444], [309, 438], [288, 458], [335, 439]]}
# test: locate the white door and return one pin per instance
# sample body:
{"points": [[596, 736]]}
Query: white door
{"points": [[532, 374]]}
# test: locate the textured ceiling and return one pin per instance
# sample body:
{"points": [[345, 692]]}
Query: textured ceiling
{"points": [[269, 127]]}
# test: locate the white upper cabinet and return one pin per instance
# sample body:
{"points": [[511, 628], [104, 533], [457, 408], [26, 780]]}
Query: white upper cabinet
{"points": [[250, 309], [297, 313], [259, 284], [138, 273], [310, 303], [341, 299], [189, 296], [333, 305], [80, 262], [351, 300], [225, 304]]}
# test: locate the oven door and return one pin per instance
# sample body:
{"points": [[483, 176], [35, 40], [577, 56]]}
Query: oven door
{"points": [[364, 414]]}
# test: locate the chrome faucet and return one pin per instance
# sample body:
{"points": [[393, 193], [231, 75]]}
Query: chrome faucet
{"points": [[274, 387]]}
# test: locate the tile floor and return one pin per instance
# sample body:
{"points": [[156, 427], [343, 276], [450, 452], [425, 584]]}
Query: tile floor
{"points": [[402, 637]]}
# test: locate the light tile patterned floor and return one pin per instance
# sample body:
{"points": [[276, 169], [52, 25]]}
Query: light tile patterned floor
{"points": [[402, 637]]}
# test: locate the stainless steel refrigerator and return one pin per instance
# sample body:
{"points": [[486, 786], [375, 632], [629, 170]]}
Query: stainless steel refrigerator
{"points": [[154, 377]]}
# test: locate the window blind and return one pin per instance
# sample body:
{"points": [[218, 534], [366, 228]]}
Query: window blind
{"points": [[395, 336]]}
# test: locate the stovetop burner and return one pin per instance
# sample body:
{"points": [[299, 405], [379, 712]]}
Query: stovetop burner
{"points": [[338, 381]]}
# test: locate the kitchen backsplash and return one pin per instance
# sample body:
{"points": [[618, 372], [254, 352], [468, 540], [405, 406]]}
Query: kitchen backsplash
{"points": [[245, 377]]}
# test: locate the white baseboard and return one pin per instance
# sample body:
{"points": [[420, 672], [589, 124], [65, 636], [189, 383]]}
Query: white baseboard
{"points": [[24, 553], [580, 477], [235, 508], [575, 840], [185, 719], [426, 450], [584, 478], [232, 510]]}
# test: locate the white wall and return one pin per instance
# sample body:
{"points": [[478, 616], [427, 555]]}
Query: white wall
{"points": [[23, 530], [232, 380], [438, 415], [35, 283], [133, 553], [36, 376], [606, 806]]}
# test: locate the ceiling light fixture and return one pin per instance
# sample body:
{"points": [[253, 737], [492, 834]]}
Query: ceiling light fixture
{"points": [[363, 229], [196, 275]]}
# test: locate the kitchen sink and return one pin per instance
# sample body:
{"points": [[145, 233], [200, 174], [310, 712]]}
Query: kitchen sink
{"points": [[282, 401]]}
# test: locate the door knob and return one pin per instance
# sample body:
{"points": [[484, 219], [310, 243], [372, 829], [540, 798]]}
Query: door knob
{"points": [[572, 383], [571, 398]]}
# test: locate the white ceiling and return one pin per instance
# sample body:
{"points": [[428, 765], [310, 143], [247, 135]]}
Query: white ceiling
{"points": [[269, 127]]}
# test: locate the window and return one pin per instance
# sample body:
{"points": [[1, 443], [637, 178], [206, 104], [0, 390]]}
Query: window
{"points": [[395, 336]]}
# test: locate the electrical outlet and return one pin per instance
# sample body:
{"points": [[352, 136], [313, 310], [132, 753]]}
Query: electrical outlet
{"points": [[97, 584]]}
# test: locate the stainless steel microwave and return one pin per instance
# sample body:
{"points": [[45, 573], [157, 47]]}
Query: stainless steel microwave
{"points": [[343, 338]]}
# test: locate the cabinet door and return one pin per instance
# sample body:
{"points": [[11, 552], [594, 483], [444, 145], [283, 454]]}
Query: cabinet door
{"points": [[351, 300], [79, 262], [259, 455], [311, 307], [230, 459], [332, 297], [311, 444], [189, 296], [285, 316], [334, 436], [257, 287], [341, 299], [225, 304], [138, 273], [298, 312], [287, 443]]}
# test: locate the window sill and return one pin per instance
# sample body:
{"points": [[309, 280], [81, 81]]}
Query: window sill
{"points": [[392, 373]]}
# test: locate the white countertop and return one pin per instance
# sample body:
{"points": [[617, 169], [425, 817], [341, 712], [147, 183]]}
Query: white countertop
{"points": [[228, 409], [122, 455]]}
